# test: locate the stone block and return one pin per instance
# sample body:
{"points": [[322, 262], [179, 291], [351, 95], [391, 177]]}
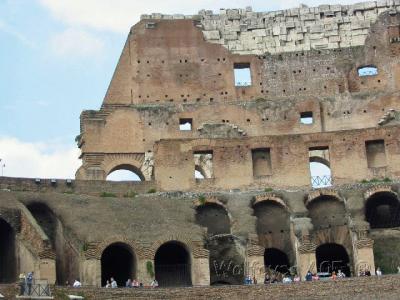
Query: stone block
{"points": [[260, 32], [211, 35]]}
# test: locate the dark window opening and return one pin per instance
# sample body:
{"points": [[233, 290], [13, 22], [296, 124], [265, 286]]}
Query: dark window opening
{"points": [[242, 74], [306, 117], [150, 25], [367, 71], [376, 154], [383, 210], [276, 261], [332, 257], [117, 261], [172, 265], [185, 124]]}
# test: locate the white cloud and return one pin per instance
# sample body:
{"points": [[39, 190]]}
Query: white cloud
{"points": [[44, 160], [120, 15], [76, 42]]}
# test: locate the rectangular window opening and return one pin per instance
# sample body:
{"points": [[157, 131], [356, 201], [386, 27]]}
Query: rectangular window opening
{"points": [[185, 124], [261, 158], [150, 25], [306, 117], [376, 154], [367, 71], [242, 74], [203, 164]]}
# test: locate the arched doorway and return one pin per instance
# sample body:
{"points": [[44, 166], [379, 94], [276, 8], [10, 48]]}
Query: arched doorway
{"points": [[172, 265], [125, 172], [276, 261], [7, 253], [332, 257], [383, 210], [214, 217], [117, 261]]}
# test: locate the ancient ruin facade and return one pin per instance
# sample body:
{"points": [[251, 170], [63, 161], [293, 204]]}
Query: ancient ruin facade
{"points": [[222, 117]]}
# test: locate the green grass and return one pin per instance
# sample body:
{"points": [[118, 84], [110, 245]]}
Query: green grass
{"points": [[202, 199], [130, 194], [268, 189], [376, 180], [152, 191]]}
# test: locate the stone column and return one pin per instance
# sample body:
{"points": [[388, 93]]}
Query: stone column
{"points": [[201, 271], [47, 269], [145, 270], [254, 265], [305, 256], [90, 272], [362, 251]]}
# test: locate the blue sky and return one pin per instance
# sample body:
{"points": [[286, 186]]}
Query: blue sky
{"points": [[56, 59]]}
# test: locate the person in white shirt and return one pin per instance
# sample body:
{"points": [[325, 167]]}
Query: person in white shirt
{"points": [[77, 283], [378, 272], [154, 283], [113, 283]]}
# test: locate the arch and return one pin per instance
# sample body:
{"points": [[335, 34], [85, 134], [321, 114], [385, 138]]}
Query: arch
{"points": [[382, 210], [128, 167], [173, 265], [326, 193], [276, 261], [332, 257], [118, 261], [214, 217], [321, 160], [270, 198], [326, 211], [8, 262]]}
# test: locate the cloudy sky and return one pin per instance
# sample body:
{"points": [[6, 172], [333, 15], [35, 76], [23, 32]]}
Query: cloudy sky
{"points": [[57, 58]]}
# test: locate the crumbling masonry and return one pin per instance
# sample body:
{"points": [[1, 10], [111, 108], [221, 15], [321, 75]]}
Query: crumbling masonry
{"points": [[224, 117]]}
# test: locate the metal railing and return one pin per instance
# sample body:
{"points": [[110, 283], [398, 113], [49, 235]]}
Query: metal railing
{"points": [[321, 181], [39, 288]]}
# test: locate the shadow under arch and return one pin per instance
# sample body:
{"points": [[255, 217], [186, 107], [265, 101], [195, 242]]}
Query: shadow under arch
{"points": [[8, 259], [382, 210], [332, 257], [172, 264], [214, 217], [127, 167], [326, 211], [118, 261]]}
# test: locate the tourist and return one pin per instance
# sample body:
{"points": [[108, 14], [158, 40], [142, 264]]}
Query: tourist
{"points": [[367, 273], [267, 279], [254, 280], [333, 277], [113, 283], [248, 280], [296, 278], [287, 279], [77, 283], [141, 285], [309, 276], [315, 277], [128, 283], [274, 279], [108, 285], [135, 283], [398, 269], [340, 274], [378, 272], [29, 282], [67, 283], [22, 282], [154, 283]]}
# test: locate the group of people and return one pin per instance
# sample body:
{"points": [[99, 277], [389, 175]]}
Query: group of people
{"points": [[130, 283], [25, 283]]}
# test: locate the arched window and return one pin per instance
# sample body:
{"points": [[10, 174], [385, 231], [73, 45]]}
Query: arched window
{"points": [[125, 173], [276, 261], [383, 210], [214, 217], [172, 265], [117, 261], [332, 257], [7, 253]]}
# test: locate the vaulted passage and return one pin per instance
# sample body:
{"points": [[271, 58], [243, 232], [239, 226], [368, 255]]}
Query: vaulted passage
{"points": [[214, 217], [383, 210], [276, 260], [172, 265], [332, 257], [7, 253], [117, 261]]}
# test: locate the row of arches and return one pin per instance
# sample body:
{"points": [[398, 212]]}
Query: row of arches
{"points": [[172, 265]]}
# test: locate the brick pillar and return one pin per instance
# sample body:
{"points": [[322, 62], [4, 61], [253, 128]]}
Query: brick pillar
{"points": [[362, 251], [201, 271], [305, 256], [47, 270], [255, 259], [90, 272], [145, 270]]}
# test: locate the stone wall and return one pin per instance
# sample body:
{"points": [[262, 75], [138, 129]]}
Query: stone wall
{"points": [[243, 31], [85, 187]]}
